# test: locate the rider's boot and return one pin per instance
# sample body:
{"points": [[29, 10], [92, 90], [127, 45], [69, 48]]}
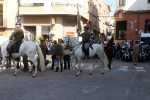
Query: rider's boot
{"points": [[9, 54], [91, 46]]}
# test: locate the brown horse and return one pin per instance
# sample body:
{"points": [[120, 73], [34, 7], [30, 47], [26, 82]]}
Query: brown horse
{"points": [[109, 49]]}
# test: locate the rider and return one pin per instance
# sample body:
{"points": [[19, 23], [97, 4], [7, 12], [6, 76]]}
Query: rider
{"points": [[85, 40], [15, 37]]}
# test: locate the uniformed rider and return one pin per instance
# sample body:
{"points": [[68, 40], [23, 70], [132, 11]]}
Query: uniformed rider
{"points": [[85, 40], [16, 36]]}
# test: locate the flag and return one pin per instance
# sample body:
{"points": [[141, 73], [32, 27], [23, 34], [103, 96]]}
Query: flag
{"points": [[78, 19]]}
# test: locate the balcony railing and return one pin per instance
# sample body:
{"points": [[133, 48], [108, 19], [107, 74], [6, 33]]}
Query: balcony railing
{"points": [[3, 23], [31, 4]]}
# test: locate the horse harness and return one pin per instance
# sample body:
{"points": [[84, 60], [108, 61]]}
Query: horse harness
{"points": [[72, 46]]}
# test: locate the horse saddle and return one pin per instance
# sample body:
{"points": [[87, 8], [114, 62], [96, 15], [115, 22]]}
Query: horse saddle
{"points": [[15, 48], [90, 46]]}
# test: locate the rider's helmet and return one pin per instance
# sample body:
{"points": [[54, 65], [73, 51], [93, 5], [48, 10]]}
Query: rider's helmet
{"points": [[86, 27], [18, 23]]}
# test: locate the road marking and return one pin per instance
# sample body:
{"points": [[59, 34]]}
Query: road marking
{"points": [[129, 69]]}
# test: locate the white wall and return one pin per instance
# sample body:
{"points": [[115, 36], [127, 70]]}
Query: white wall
{"points": [[134, 5]]}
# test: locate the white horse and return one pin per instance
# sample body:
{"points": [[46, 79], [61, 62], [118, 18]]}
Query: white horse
{"points": [[76, 46], [28, 48]]}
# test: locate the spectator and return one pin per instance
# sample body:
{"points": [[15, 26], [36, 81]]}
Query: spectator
{"points": [[66, 59], [53, 53], [43, 48], [60, 54], [135, 53], [117, 51]]}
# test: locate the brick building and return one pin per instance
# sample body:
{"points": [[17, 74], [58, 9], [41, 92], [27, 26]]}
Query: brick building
{"points": [[131, 18]]}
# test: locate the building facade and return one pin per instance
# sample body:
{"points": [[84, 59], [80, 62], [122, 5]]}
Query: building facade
{"points": [[55, 18], [131, 18], [8, 13]]}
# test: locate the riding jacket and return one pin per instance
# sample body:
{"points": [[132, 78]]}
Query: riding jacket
{"points": [[85, 37], [17, 35]]}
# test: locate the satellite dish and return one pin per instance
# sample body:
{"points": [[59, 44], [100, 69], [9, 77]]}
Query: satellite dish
{"points": [[140, 31]]}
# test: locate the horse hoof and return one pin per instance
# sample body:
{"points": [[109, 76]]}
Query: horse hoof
{"points": [[81, 71], [33, 76], [30, 72], [90, 73], [77, 74], [15, 74], [103, 73]]}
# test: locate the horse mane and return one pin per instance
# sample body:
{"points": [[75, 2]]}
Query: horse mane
{"points": [[74, 39]]}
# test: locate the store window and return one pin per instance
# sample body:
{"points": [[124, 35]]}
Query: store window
{"points": [[147, 26], [122, 2], [121, 28]]}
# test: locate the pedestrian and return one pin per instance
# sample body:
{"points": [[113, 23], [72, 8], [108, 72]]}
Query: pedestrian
{"points": [[66, 59], [16, 36], [118, 50], [53, 53], [135, 53], [60, 54], [85, 40], [43, 48]]}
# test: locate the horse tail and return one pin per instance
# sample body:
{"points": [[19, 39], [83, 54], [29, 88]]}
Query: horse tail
{"points": [[105, 60], [41, 57]]}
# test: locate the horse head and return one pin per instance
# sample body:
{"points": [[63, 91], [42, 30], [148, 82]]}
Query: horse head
{"points": [[70, 43], [67, 43]]}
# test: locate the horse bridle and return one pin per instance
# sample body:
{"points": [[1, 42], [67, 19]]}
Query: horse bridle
{"points": [[72, 46]]}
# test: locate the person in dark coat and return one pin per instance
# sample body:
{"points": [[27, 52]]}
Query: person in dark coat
{"points": [[53, 53], [15, 37], [43, 48]]}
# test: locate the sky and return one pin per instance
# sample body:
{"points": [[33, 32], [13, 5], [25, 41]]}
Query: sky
{"points": [[111, 3]]}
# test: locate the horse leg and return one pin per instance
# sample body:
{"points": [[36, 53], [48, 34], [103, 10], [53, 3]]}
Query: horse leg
{"points": [[79, 67], [75, 62], [35, 64], [13, 60], [102, 67], [3, 63], [109, 64], [92, 68]]}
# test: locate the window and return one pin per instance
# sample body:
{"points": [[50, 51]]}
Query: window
{"points": [[45, 30], [148, 1], [99, 8], [122, 2], [29, 3], [147, 26], [121, 28]]}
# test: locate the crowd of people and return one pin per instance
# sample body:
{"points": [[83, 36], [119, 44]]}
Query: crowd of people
{"points": [[134, 48], [59, 54]]}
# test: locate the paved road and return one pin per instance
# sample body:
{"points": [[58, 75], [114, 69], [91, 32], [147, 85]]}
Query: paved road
{"points": [[123, 82]]}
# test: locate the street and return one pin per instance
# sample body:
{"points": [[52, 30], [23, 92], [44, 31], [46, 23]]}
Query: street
{"points": [[123, 82]]}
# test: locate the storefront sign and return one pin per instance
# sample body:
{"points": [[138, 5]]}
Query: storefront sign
{"points": [[70, 34]]}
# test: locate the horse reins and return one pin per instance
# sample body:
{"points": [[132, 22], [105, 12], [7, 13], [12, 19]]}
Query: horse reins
{"points": [[73, 46]]}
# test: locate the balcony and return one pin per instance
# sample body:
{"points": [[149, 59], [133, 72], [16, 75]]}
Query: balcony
{"points": [[31, 8], [61, 7], [3, 23]]}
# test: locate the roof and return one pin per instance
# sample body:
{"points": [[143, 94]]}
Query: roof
{"points": [[132, 11]]}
